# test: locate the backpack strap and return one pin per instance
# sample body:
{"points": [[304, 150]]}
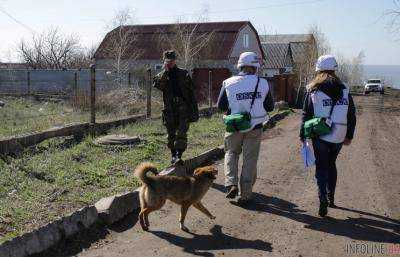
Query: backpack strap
{"points": [[334, 102], [254, 94]]}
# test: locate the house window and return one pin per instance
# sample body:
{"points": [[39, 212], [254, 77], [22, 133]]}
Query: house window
{"points": [[246, 40]]}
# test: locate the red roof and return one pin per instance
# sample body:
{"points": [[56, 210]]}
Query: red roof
{"points": [[147, 39]]}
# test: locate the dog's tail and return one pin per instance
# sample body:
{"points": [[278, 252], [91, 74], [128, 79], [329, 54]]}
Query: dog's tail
{"points": [[141, 172]]}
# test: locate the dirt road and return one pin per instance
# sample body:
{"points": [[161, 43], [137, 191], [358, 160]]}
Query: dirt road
{"points": [[284, 220]]}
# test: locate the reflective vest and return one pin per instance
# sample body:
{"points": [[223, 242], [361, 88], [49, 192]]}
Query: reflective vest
{"points": [[240, 90], [322, 107]]}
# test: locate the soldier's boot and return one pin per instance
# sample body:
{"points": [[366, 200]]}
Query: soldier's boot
{"points": [[179, 157], [174, 156]]}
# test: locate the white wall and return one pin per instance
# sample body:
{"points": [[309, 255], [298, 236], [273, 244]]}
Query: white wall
{"points": [[253, 45]]}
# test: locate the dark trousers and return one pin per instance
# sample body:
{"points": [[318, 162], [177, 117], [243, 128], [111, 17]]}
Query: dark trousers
{"points": [[326, 154], [177, 124]]}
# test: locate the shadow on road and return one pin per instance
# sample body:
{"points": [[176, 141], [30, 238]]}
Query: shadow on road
{"points": [[85, 239], [201, 244], [381, 229], [126, 223], [72, 246]]}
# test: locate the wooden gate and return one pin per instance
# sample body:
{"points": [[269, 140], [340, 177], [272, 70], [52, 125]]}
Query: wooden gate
{"points": [[202, 78], [283, 88]]}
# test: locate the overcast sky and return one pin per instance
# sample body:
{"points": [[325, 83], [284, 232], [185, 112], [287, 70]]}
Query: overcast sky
{"points": [[350, 26]]}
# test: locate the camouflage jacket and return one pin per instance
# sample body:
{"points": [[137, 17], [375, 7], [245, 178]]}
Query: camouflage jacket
{"points": [[185, 83]]}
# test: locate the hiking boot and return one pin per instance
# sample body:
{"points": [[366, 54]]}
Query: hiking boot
{"points": [[174, 157], [323, 208], [179, 154], [232, 192]]}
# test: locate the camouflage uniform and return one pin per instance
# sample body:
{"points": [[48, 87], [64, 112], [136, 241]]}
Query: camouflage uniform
{"points": [[179, 110]]}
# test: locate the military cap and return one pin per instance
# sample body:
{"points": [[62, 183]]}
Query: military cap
{"points": [[169, 55]]}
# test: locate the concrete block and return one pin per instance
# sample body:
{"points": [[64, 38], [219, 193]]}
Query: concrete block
{"points": [[114, 208], [49, 235], [81, 219]]}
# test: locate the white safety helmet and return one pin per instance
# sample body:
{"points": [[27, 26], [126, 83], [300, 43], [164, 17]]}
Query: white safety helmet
{"points": [[326, 62], [248, 59]]}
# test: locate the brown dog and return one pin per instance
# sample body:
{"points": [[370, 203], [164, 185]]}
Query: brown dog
{"points": [[185, 191]]}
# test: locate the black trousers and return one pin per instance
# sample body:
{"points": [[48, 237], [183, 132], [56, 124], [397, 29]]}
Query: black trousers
{"points": [[326, 154], [175, 119]]}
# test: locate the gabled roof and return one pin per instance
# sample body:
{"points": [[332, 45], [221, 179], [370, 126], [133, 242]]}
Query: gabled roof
{"points": [[300, 44], [287, 38], [147, 38], [300, 51], [277, 55]]}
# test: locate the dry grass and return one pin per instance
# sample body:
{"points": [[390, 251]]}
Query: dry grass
{"points": [[24, 115], [61, 175]]}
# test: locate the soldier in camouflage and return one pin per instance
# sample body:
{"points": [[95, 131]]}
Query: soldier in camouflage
{"points": [[180, 105]]}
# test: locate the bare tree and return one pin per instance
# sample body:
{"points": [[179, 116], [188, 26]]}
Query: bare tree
{"points": [[350, 71], [357, 70], [84, 57], [121, 46], [305, 68], [318, 45], [50, 50], [394, 18], [189, 42], [321, 42]]}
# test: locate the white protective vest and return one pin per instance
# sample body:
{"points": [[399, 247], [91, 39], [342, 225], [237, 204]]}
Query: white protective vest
{"points": [[240, 89], [322, 106]]}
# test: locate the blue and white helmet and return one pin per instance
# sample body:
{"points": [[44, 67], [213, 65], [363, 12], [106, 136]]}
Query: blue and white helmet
{"points": [[248, 59], [326, 62]]}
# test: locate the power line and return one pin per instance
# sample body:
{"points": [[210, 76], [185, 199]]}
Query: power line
{"points": [[16, 20], [239, 10]]}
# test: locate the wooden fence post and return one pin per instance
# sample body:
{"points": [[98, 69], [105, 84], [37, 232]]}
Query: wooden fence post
{"points": [[28, 77], [210, 103], [75, 89], [148, 95], [92, 94]]}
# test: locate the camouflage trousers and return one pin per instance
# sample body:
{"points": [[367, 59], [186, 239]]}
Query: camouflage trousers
{"points": [[176, 121]]}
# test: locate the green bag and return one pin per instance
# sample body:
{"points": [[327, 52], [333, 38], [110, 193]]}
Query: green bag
{"points": [[237, 122], [318, 126], [240, 121]]}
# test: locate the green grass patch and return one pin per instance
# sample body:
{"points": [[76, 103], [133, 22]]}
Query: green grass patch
{"points": [[60, 175], [21, 115]]}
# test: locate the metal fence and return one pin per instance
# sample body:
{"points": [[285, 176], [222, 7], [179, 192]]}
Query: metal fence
{"points": [[36, 100]]}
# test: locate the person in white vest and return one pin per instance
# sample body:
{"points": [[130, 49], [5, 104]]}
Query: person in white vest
{"points": [[236, 97], [323, 92]]}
